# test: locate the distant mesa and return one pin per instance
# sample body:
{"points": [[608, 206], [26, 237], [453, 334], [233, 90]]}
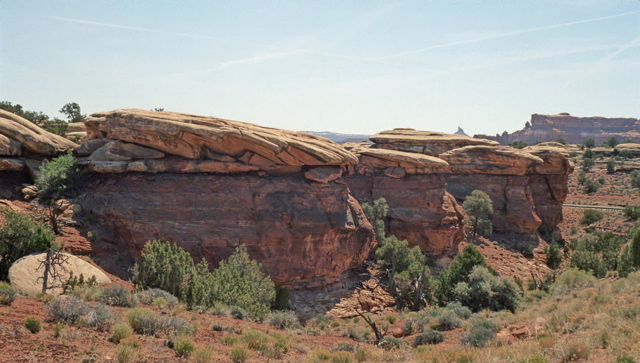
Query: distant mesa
{"points": [[574, 130]]}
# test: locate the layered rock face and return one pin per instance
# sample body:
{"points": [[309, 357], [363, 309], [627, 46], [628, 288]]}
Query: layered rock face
{"points": [[420, 209], [210, 185], [573, 129], [527, 186]]}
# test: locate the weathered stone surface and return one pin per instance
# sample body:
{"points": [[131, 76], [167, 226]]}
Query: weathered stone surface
{"points": [[420, 210], [513, 204], [497, 160], [555, 160], [305, 234], [424, 142], [32, 138], [76, 130], [90, 146], [118, 150], [7, 206], [25, 274], [198, 137], [412, 163], [9, 146], [571, 128], [323, 174]]}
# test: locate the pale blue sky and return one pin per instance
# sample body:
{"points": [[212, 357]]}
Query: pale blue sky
{"points": [[344, 66]]}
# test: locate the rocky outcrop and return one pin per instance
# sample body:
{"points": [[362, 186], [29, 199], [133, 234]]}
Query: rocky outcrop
{"points": [[211, 185], [26, 274], [527, 186], [424, 142], [573, 129]]}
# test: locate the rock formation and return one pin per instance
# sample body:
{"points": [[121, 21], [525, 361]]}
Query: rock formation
{"points": [[23, 146], [211, 184], [26, 274], [571, 128], [527, 186]]}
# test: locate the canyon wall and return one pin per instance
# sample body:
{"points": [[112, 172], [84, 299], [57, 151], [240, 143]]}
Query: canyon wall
{"points": [[527, 186], [574, 130], [211, 185]]}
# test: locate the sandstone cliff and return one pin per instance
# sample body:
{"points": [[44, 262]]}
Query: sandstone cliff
{"points": [[527, 187], [573, 129], [211, 184]]}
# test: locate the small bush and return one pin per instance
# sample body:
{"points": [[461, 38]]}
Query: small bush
{"points": [[73, 310], [126, 353], [59, 330], [343, 347], [174, 326], [202, 355], [481, 332], [143, 321], [624, 359], [590, 186], [283, 319], [228, 339], [554, 256], [448, 320], [116, 295], [391, 343], [120, 331], [238, 355], [634, 178], [462, 311], [391, 318], [183, 347], [255, 339], [570, 280], [429, 337], [632, 212], [7, 294], [149, 296], [590, 216], [33, 324]]}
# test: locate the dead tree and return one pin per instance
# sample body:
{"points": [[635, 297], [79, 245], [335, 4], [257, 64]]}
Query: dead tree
{"points": [[54, 266]]}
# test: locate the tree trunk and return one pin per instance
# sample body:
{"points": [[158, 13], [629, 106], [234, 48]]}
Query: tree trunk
{"points": [[47, 268]]}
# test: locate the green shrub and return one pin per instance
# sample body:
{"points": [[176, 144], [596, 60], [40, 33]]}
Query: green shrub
{"points": [[120, 331], [239, 281], [429, 337], [282, 298], [391, 343], [486, 291], [283, 319], [448, 320], [462, 311], [33, 324], [7, 294], [590, 216], [554, 256], [238, 355], [611, 166], [183, 346], [624, 359], [343, 347], [126, 353], [149, 297], [590, 186], [481, 332], [20, 235], [478, 206], [202, 355], [632, 212], [237, 312], [458, 271], [255, 339], [570, 280], [116, 295], [168, 267], [590, 262], [73, 310], [143, 321], [228, 339], [59, 330], [518, 144]]}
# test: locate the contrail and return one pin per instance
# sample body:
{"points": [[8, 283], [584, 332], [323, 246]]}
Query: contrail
{"points": [[632, 44], [509, 34], [126, 27]]}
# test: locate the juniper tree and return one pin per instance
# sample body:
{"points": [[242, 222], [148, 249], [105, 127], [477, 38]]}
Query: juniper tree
{"points": [[479, 207]]}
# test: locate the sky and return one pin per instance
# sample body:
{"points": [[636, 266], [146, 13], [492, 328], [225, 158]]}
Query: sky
{"points": [[327, 65]]}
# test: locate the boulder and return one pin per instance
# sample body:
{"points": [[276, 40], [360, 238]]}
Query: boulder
{"points": [[26, 274], [631, 148], [11, 164], [9, 146], [118, 150], [323, 174]]}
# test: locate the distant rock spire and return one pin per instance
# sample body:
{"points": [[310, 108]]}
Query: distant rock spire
{"points": [[461, 132]]}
